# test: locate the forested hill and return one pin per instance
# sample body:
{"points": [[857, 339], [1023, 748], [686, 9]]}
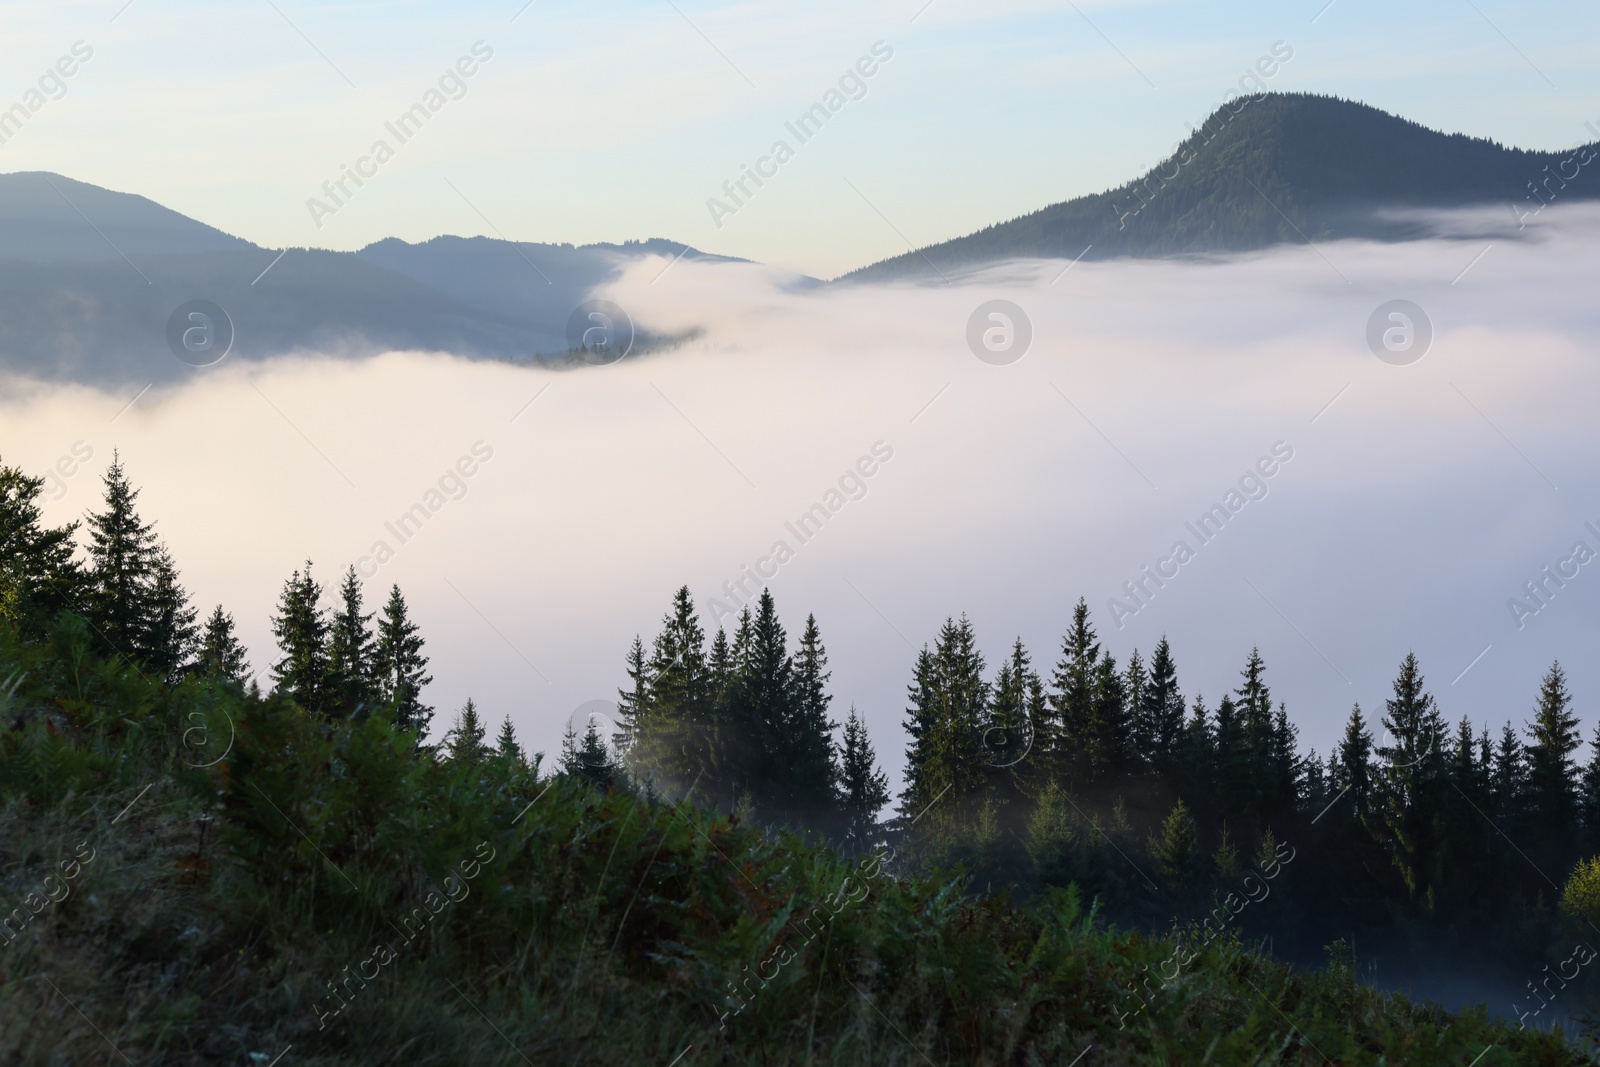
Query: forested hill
{"points": [[1267, 169]]}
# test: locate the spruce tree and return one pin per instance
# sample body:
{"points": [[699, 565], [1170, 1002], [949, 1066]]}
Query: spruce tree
{"points": [[301, 627], [1197, 762], [863, 789], [168, 632], [1114, 755], [1354, 772], [1161, 710], [1141, 731], [946, 721], [221, 656], [465, 738], [352, 657], [123, 553], [766, 685], [1015, 729], [1468, 839], [805, 755], [1589, 797], [506, 744], [588, 759], [1072, 703], [1176, 851], [676, 741], [1552, 785], [1508, 782], [633, 703], [1286, 769], [1412, 781], [1235, 790], [401, 668], [38, 574], [1253, 701]]}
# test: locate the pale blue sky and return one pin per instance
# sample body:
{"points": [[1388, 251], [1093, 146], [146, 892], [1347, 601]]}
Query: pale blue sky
{"points": [[608, 121]]}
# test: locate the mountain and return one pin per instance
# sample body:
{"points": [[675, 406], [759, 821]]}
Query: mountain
{"points": [[46, 218], [1271, 168], [90, 277]]}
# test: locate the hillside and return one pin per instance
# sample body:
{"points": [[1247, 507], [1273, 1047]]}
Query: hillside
{"points": [[1282, 166], [203, 877], [89, 278], [194, 873]]}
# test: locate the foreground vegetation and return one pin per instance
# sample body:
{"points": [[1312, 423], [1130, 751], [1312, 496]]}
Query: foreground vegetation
{"points": [[331, 887], [194, 872]]}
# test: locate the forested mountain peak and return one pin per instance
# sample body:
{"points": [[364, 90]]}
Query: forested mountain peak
{"points": [[1266, 169]]}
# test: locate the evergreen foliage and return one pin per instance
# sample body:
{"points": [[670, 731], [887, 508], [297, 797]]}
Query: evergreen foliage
{"points": [[400, 668], [221, 655]]}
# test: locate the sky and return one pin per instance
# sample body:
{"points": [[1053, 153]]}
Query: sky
{"points": [[1382, 508], [607, 122]]}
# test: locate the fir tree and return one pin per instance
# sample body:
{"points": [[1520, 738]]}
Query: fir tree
{"points": [[506, 744], [1589, 796], [1175, 850], [633, 703], [1552, 787], [401, 668], [1197, 761], [863, 789], [301, 627], [946, 720], [1508, 782], [123, 553], [221, 656], [1412, 777], [805, 754], [1253, 702], [1354, 772], [1072, 702], [1161, 711], [352, 667], [167, 641], [1141, 733], [767, 692], [1235, 791], [588, 759], [676, 740], [466, 736], [1113, 751], [1015, 729], [38, 575]]}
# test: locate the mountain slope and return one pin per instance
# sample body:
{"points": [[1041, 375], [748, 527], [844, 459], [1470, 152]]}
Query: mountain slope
{"points": [[1284, 167], [89, 278], [45, 218]]}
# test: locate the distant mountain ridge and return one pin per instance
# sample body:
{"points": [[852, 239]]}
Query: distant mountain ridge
{"points": [[89, 277], [1270, 168]]}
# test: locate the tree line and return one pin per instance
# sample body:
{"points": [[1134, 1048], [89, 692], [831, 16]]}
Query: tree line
{"points": [[1104, 775], [1093, 772], [126, 589]]}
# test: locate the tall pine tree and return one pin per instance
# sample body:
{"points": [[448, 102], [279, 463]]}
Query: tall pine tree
{"points": [[38, 575], [1552, 784], [221, 656], [352, 656], [301, 627], [401, 670], [863, 789]]}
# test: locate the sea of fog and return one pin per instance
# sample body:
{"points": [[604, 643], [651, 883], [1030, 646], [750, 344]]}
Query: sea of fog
{"points": [[1406, 507]]}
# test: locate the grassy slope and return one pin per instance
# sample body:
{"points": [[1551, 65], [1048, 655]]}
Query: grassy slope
{"points": [[605, 929]]}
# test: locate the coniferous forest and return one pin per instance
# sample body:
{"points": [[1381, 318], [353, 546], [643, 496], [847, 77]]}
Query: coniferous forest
{"points": [[206, 863]]}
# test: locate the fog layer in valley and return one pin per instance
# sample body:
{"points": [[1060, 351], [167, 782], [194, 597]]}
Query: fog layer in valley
{"points": [[1406, 505]]}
